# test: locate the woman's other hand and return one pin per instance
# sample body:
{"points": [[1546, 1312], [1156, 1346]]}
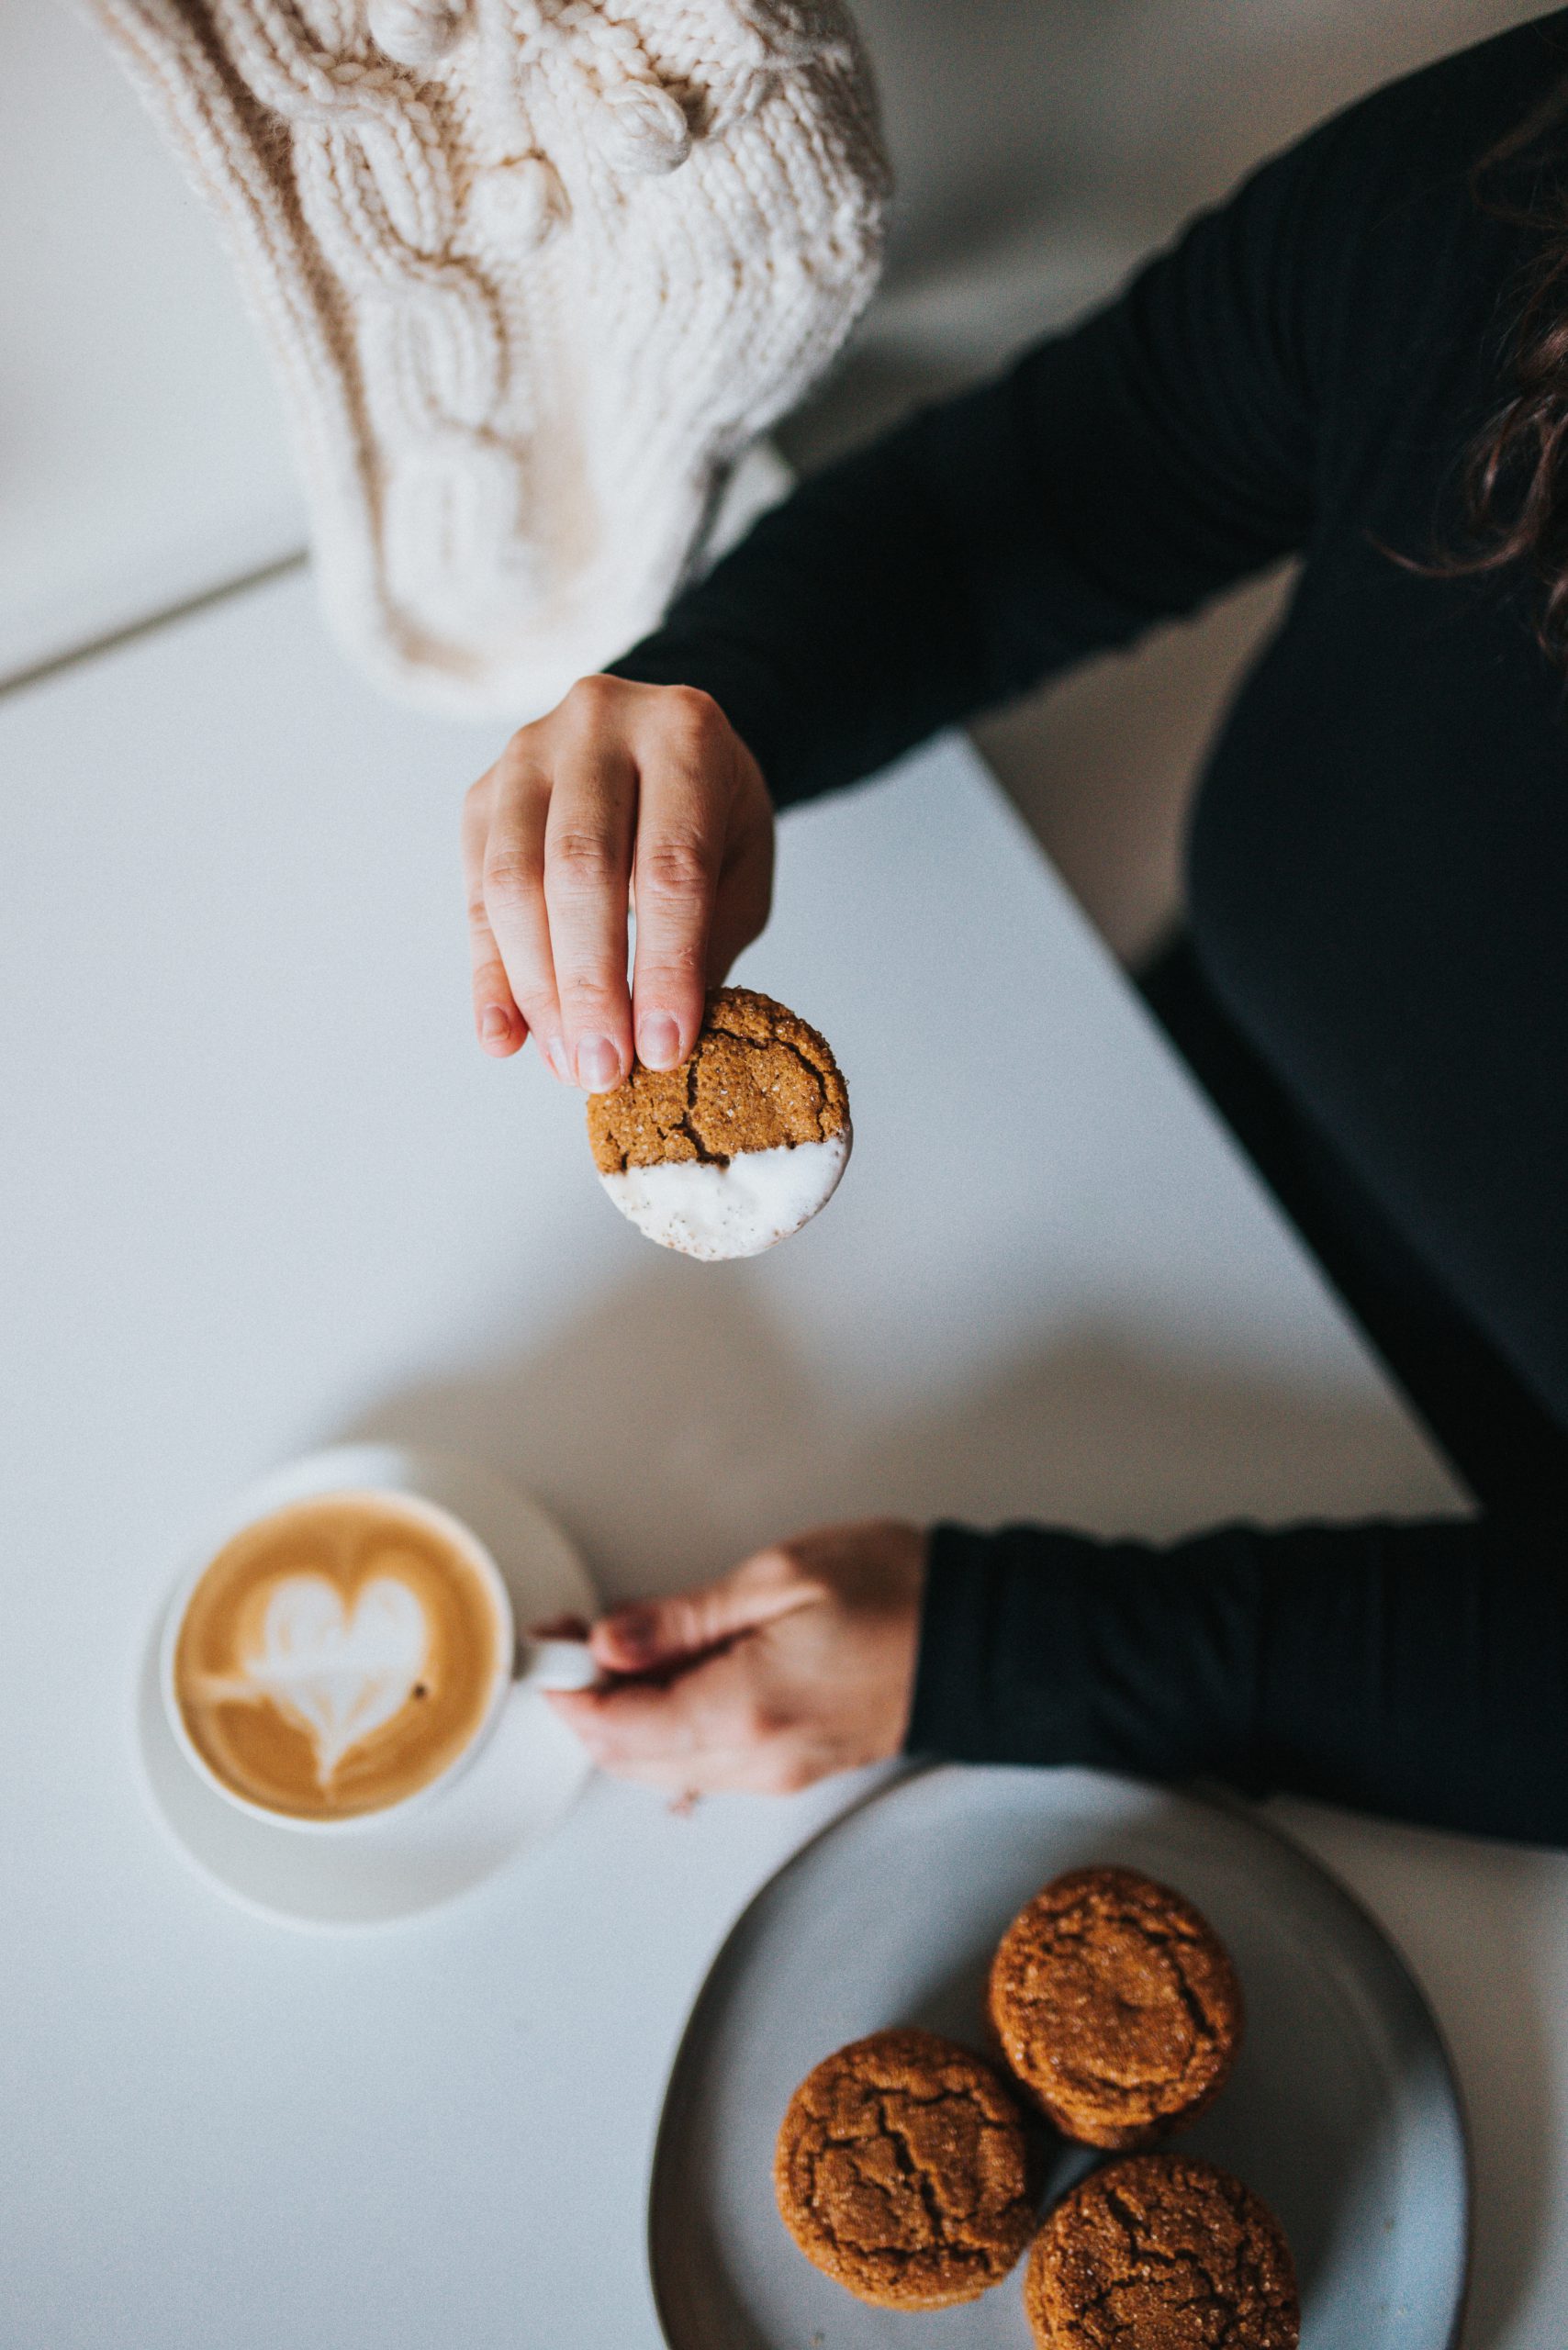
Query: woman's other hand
{"points": [[624, 794], [800, 1662]]}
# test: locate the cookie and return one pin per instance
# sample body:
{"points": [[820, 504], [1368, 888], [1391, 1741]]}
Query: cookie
{"points": [[736, 1148], [1115, 2005], [901, 2172], [1161, 2251]]}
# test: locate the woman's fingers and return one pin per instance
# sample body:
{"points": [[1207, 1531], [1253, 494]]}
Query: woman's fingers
{"points": [[706, 1733], [587, 877], [623, 793], [801, 1663], [653, 1633], [744, 894], [501, 1028], [682, 816], [512, 893]]}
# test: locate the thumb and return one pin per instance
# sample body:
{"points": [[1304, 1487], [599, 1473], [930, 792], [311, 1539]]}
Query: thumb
{"points": [[653, 1632]]}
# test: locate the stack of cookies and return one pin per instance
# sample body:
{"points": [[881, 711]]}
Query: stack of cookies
{"points": [[905, 2168]]}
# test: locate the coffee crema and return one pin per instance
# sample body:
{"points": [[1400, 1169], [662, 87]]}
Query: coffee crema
{"points": [[339, 1654]]}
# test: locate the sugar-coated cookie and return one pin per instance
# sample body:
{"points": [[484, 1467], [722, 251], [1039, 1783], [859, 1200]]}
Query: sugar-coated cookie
{"points": [[901, 2172], [736, 1148], [1161, 2251], [1117, 2006]]}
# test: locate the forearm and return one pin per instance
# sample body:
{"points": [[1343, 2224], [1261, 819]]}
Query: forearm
{"points": [[898, 592], [1116, 475], [1416, 1669]]}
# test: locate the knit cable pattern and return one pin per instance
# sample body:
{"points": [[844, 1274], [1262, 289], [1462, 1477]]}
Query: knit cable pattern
{"points": [[534, 273]]}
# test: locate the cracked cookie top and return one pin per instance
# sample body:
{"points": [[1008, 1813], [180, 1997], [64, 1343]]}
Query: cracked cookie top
{"points": [[758, 1079], [900, 2171], [1166, 2251], [1116, 2004]]}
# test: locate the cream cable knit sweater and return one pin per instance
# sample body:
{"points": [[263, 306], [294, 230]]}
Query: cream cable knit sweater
{"points": [[534, 273]]}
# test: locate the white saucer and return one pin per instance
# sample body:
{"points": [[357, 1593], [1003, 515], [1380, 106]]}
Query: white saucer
{"points": [[518, 1787]]}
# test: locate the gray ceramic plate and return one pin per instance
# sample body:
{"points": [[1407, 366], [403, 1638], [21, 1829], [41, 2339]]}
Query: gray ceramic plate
{"points": [[1342, 2111]]}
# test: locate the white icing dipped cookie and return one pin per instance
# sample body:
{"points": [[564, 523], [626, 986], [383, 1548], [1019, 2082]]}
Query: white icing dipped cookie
{"points": [[736, 1148]]}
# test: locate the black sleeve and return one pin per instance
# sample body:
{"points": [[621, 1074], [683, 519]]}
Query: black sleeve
{"points": [[1416, 1669], [1119, 474]]}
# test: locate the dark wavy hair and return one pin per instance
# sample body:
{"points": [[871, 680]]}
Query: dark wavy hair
{"points": [[1514, 482]]}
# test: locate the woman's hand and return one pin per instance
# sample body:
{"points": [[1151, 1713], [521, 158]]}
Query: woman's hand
{"points": [[625, 793], [798, 1663]]}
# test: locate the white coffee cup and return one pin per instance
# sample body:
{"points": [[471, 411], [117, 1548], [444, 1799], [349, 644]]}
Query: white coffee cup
{"points": [[521, 1663]]}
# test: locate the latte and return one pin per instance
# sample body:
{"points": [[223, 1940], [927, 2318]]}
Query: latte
{"points": [[340, 1654]]}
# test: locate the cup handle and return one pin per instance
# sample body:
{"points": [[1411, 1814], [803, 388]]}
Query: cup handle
{"points": [[555, 1664]]}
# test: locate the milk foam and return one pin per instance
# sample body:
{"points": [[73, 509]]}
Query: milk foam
{"points": [[338, 1672], [338, 1655], [738, 1209]]}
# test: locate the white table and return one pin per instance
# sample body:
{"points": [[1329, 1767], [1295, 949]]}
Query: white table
{"points": [[258, 1191]]}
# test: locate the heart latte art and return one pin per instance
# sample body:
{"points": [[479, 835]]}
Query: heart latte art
{"points": [[338, 1655], [340, 1671]]}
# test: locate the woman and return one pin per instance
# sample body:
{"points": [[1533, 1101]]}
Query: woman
{"points": [[1376, 988]]}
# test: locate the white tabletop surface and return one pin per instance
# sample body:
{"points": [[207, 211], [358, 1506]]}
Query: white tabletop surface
{"points": [[259, 1190]]}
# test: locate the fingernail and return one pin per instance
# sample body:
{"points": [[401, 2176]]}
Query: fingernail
{"points": [[495, 1024], [659, 1040], [599, 1065], [633, 1632], [554, 1053]]}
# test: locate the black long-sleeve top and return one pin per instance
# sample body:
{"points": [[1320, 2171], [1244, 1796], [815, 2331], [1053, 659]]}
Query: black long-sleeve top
{"points": [[1378, 895]]}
